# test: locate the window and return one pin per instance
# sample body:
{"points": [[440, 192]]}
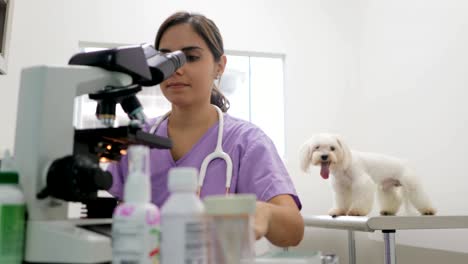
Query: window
{"points": [[254, 85], [252, 82]]}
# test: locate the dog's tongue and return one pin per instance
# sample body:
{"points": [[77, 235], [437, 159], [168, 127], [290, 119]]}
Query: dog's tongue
{"points": [[325, 170]]}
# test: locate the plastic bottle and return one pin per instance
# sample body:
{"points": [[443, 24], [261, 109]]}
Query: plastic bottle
{"points": [[136, 221], [183, 227], [12, 210]]}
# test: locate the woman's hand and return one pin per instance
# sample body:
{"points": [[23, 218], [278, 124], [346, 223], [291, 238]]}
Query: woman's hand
{"points": [[280, 221], [263, 216]]}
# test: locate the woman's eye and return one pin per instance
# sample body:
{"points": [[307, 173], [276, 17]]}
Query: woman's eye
{"points": [[191, 58], [332, 148]]}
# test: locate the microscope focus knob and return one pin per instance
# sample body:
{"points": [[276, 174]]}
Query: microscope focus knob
{"points": [[75, 178]]}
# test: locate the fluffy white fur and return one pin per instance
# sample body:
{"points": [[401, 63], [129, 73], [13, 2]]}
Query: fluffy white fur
{"points": [[358, 175]]}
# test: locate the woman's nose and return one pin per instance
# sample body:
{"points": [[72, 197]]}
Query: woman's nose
{"points": [[180, 70]]}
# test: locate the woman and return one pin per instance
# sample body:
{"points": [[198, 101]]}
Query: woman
{"points": [[193, 127]]}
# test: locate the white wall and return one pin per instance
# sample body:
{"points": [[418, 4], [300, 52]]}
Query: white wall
{"points": [[403, 93], [405, 97], [412, 92], [388, 75], [48, 32]]}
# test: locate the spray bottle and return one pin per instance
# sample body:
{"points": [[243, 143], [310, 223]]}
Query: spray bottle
{"points": [[135, 229], [12, 213]]}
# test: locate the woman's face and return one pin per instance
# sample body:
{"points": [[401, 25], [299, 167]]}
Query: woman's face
{"points": [[191, 84]]}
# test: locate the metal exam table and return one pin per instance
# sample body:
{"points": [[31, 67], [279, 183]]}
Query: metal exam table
{"points": [[387, 224]]}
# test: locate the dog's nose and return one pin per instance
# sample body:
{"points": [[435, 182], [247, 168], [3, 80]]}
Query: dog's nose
{"points": [[324, 157]]}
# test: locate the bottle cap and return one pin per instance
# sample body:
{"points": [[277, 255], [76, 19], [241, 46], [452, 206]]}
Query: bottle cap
{"points": [[183, 179], [8, 173], [8, 164], [9, 177], [230, 204]]}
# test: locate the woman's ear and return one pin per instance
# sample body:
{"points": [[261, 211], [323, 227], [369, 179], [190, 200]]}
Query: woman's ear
{"points": [[221, 65]]}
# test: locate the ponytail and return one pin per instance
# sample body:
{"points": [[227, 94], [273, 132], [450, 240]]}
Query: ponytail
{"points": [[218, 99]]}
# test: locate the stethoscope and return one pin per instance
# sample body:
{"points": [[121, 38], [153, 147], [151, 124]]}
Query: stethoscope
{"points": [[218, 153]]}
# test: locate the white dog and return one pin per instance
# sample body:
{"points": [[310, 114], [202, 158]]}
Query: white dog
{"points": [[356, 175]]}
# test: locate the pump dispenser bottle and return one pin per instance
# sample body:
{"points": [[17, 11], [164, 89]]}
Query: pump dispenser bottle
{"points": [[183, 226], [135, 229]]}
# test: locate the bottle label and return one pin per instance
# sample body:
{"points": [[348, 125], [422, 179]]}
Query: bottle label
{"points": [[195, 242], [184, 240], [11, 233], [135, 236]]}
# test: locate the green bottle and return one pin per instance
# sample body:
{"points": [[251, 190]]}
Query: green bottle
{"points": [[12, 213]]}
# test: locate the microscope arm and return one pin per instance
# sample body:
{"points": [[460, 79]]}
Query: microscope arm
{"points": [[45, 131], [95, 80]]}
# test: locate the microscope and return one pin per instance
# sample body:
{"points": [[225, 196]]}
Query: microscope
{"points": [[59, 164]]}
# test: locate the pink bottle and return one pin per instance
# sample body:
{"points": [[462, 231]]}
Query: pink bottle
{"points": [[136, 221]]}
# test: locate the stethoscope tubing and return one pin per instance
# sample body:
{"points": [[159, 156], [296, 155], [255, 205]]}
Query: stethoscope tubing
{"points": [[218, 153]]}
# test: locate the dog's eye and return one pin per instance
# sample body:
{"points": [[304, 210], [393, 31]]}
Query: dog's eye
{"points": [[317, 147], [332, 148]]}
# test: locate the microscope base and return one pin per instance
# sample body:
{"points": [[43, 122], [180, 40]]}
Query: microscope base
{"points": [[65, 242]]}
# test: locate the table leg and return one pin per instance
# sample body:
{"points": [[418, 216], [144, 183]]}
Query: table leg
{"points": [[389, 243], [351, 247]]}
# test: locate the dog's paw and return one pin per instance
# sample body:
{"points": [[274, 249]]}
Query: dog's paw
{"points": [[334, 212], [387, 212], [427, 211], [357, 212]]}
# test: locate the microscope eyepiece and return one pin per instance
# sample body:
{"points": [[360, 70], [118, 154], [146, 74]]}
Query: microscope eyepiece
{"points": [[178, 58], [163, 65]]}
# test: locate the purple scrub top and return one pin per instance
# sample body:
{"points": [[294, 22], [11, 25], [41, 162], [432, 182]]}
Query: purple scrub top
{"points": [[257, 167]]}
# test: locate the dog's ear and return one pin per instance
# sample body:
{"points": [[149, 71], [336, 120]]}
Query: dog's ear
{"points": [[305, 155], [346, 152]]}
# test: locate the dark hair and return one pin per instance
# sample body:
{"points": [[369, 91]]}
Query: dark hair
{"points": [[209, 32]]}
